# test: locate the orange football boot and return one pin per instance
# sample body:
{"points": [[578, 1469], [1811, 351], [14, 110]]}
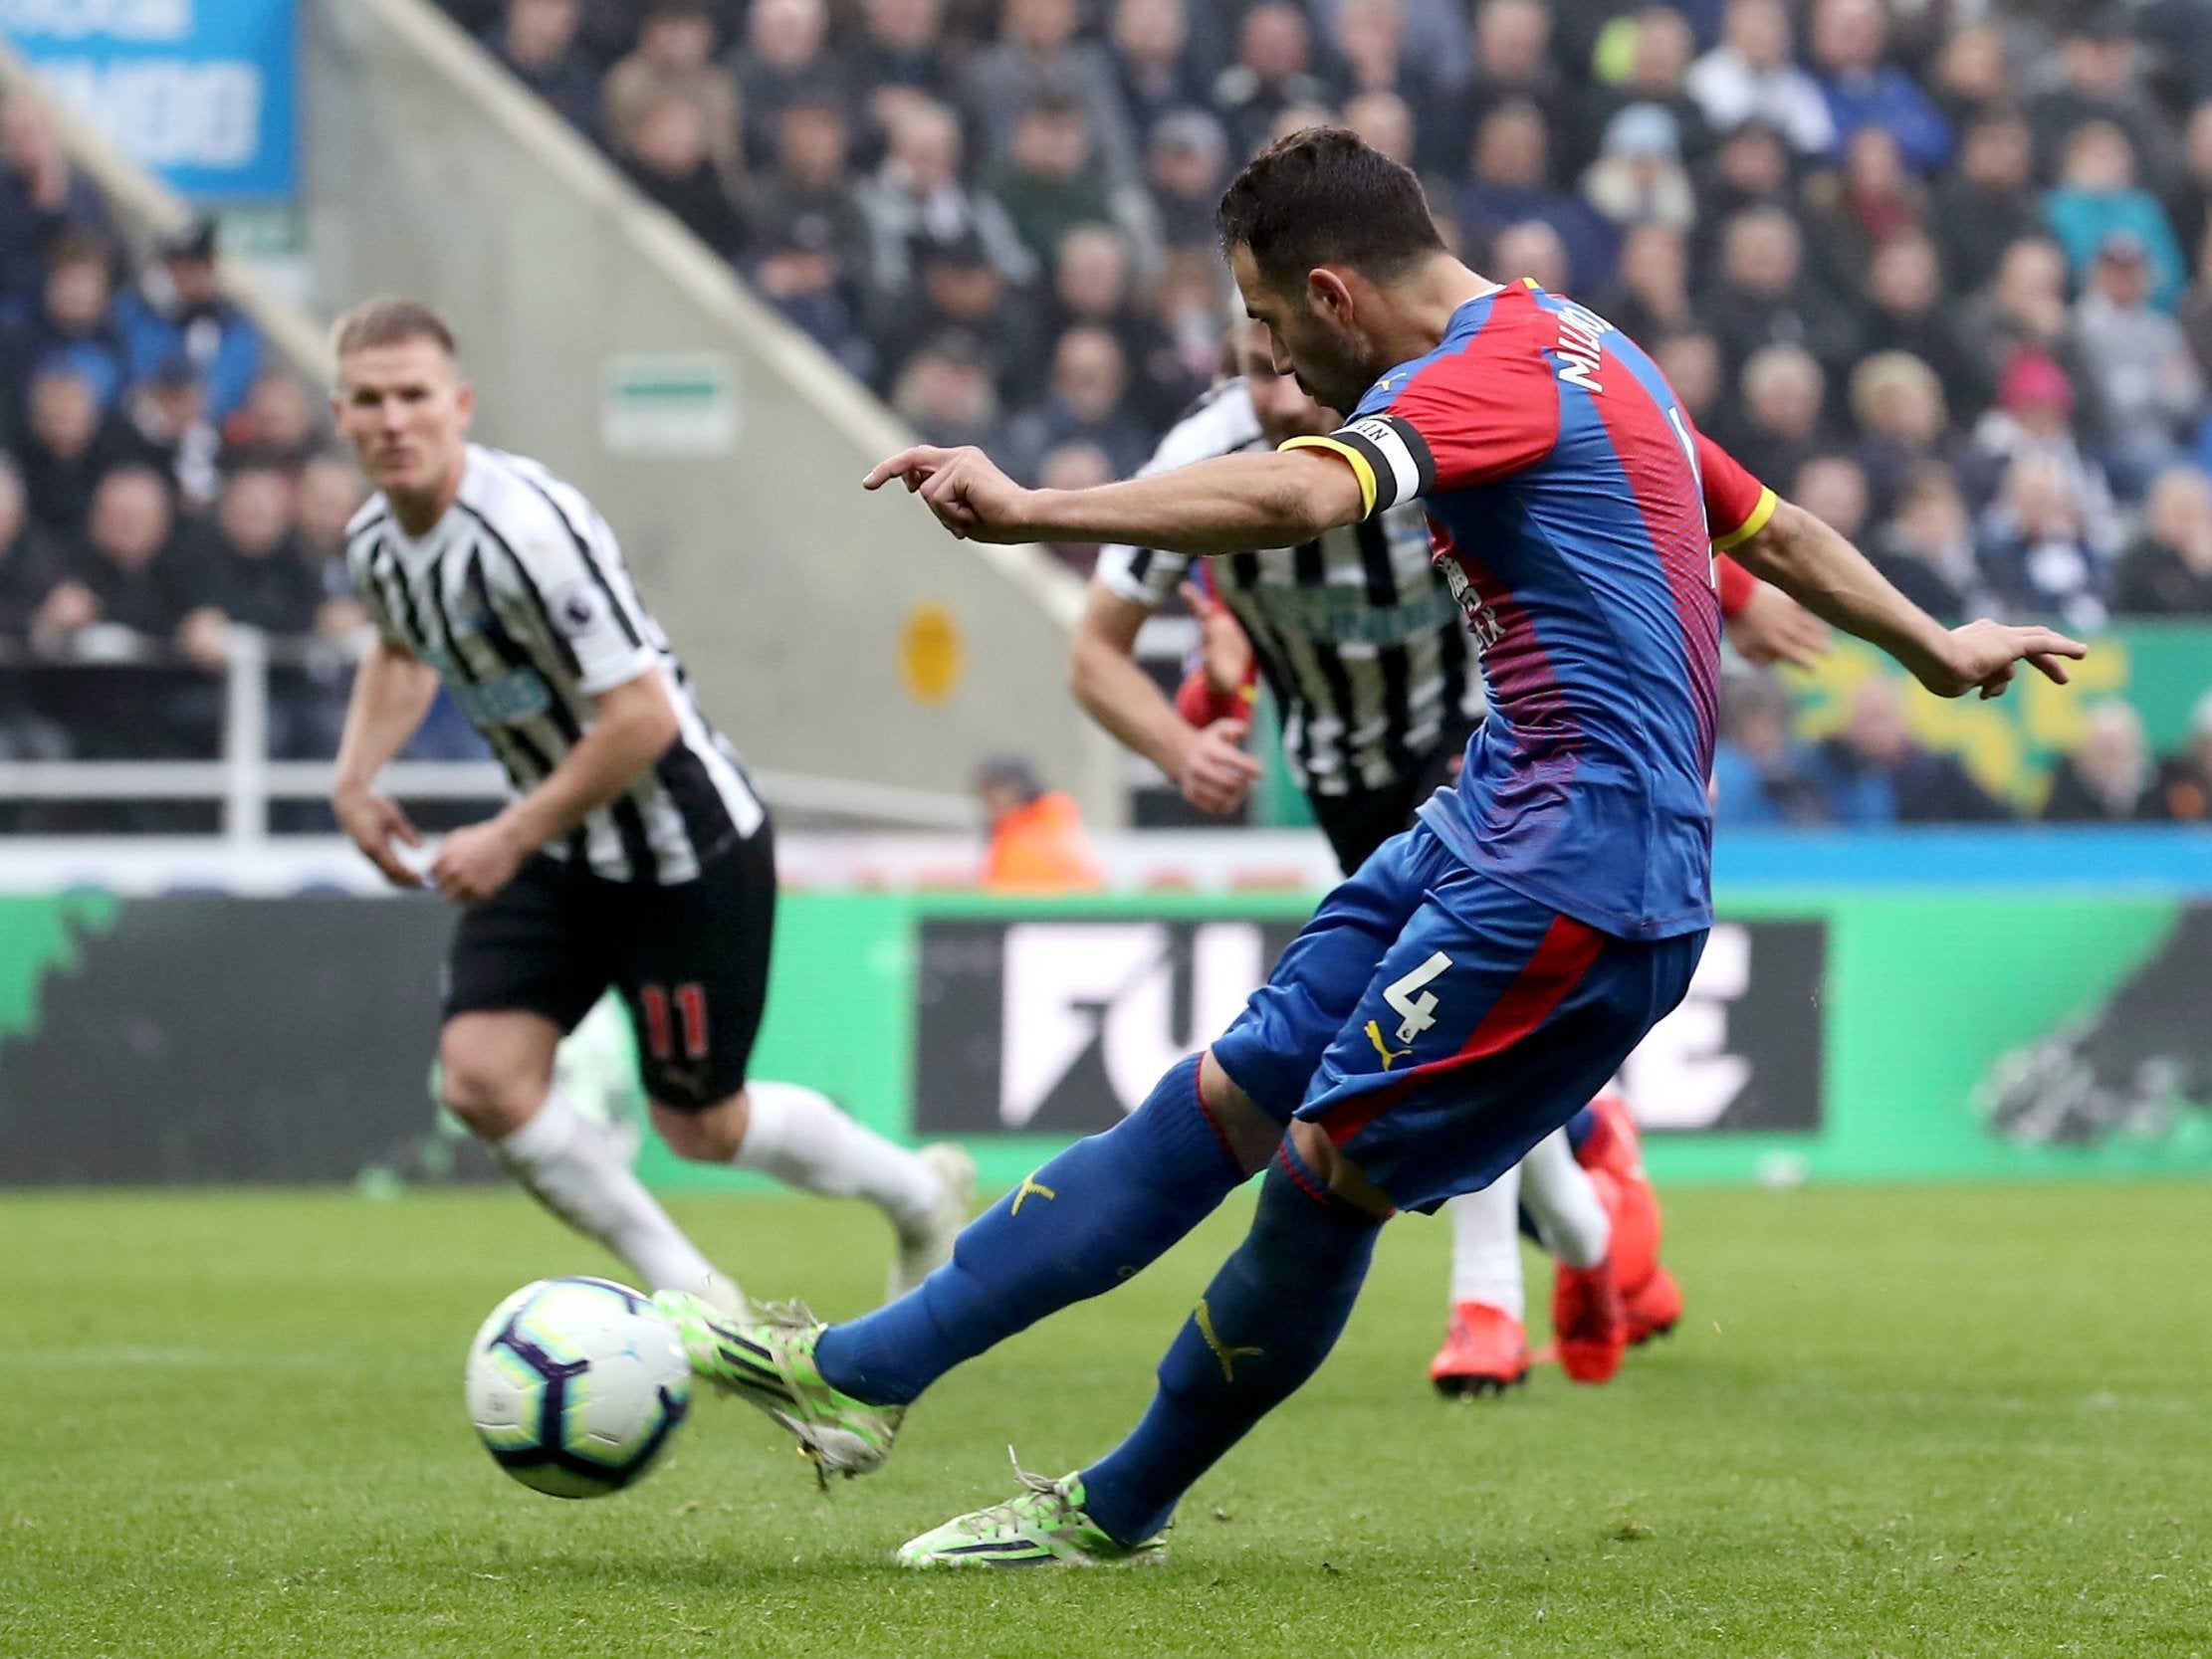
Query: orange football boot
{"points": [[1613, 1155], [1590, 1326], [1485, 1351], [1655, 1309]]}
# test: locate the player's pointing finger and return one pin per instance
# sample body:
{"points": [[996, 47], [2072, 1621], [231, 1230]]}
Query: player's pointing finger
{"points": [[922, 458], [889, 468], [2047, 650]]}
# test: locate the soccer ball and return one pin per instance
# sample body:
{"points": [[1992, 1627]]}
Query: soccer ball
{"points": [[576, 1385]]}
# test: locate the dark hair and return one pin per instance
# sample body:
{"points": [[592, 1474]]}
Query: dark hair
{"points": [[248, 459], [1323, 196], [75, 246], [377, 322], [1055, 104], [1009, 771]]}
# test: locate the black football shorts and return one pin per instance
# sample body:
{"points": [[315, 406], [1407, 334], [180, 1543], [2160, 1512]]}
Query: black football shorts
{"points": [[691, 961]]}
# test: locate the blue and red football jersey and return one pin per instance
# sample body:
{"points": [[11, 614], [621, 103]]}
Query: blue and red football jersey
{"points": [[1567, 507]]}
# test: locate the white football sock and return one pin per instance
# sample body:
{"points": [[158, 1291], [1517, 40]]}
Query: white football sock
{"points": [[1570, 1217], [573, 1168], [801, 1138], [1486, 1246]]}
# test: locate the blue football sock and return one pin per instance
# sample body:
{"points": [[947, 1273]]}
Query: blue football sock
{"points": [[1263, 1326], [1090, 1218], [1579, 1128]]}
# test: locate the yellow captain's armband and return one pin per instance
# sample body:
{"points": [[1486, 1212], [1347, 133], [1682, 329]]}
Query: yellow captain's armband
{"points": [[1385, 453], [1362, 468], [1751, 526]]}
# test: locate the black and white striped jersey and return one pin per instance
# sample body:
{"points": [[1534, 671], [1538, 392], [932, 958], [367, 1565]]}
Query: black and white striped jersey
{"points": [[519, 599], [1357, 634]]}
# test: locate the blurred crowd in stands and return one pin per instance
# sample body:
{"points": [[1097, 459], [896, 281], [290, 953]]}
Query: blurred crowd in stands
{"points": [[1873, 771], [1939, 269], [162, 477], [1941, 272], [159, 479]]}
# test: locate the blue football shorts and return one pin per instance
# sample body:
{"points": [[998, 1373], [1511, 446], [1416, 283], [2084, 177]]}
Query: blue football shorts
{"points": [[1437, 1024]]}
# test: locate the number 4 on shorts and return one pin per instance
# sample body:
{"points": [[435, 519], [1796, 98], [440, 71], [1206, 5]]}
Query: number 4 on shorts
{"points": [[1419, 1010]]}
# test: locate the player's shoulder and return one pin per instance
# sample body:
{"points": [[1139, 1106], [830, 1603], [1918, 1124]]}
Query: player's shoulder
{"points": [[1221, 422], [371, 515], [1481, 330], [1438, 363], [500, 481], [521, 503]]}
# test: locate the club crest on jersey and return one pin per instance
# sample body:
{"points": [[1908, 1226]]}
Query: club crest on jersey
{"points": [[1581, 343], [576, 609]]}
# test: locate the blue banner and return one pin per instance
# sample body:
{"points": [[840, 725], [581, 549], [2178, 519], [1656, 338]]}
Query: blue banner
{"points": [[200, 93]]}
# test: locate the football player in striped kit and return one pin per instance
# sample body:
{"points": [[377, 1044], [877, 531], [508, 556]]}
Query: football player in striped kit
{"points": [[635, 852]]}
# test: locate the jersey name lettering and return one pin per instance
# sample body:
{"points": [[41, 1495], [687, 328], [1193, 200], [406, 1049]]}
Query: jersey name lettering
{"points": [[1580, 346]]}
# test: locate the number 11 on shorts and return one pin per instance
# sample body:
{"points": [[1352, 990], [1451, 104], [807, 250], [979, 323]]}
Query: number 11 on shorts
{"points": [[691, 1013], [1408, 998]]}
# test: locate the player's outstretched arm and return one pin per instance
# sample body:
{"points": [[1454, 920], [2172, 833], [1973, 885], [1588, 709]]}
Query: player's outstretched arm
{"points": [[392, 691], [1819, 567], [1232, 504], [1207, 764]]}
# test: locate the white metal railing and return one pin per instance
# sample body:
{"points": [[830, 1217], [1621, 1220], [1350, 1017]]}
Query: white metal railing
{"points": [[245, 780]]}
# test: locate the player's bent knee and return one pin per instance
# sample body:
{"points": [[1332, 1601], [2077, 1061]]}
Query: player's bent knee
{"points": [[709, 1135], [1251, 1135], [1341, 1176], [487, 1102], [492, 1077], [1315, 1149]]}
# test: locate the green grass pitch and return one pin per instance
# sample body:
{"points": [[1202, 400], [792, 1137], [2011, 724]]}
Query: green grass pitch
{"points": [[1918, 1421]]}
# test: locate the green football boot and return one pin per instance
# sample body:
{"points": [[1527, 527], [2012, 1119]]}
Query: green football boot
{"points": [[769, 1362], [1044, 1525]]}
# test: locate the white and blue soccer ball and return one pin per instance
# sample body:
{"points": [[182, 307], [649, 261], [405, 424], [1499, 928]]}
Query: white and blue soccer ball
{"points": [[577, 1386]]}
